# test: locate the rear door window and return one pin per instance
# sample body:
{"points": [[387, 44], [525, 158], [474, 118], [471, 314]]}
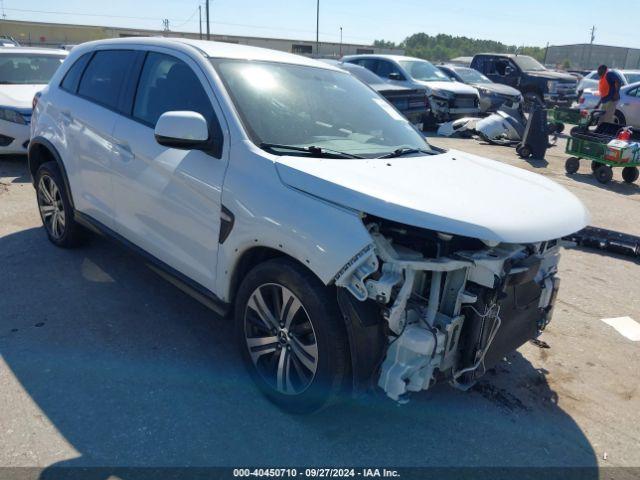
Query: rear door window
{"points": [[72, 77], [107, 73]]}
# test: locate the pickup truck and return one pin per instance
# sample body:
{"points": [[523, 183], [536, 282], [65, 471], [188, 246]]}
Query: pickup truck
{"points": [[537, 84]]}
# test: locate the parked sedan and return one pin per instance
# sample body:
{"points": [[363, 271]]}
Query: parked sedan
{"points": [[492, 95], [23, 72], [590, 82], [628, 111], [448, 99], [411, 102]]}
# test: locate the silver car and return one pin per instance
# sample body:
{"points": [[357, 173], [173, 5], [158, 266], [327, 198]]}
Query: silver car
{"points": [[590, 82], [448, 99], [628, 111]]}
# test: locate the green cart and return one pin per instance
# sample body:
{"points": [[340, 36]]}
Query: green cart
{"points": [[589, 146], [558, 116]]}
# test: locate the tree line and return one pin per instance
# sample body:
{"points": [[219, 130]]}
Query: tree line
{"points": [[442, 47]]}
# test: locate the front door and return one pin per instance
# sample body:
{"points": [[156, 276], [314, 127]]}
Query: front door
{"points": [[168, 200]]}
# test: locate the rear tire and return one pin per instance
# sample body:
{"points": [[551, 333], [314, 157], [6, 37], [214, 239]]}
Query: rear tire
{"points": [[620, 119], [55, 208], [630, 174], [572, 165], [604, 174], [300, 361]]}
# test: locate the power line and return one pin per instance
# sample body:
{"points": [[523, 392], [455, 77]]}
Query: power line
{"points": [[182, 21], [188, 19]]}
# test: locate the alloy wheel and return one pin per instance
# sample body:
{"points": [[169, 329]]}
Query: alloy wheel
{"points": [[51, 206], [280, 338]]}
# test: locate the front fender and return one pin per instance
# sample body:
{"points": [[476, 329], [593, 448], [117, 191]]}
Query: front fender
{"points": [[320, 235]]}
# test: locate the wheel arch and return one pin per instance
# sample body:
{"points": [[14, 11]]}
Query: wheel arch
{"points": [[42, 151], [248, 260]]}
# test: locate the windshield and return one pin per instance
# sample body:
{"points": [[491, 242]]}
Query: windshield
{"points": [[469, 75], [423, 70], [528, 64], [306, 106], [25, 69], [632, 77]]}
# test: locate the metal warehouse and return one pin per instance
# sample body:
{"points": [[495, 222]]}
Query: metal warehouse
{"points": [[588, 56], [57, 34]]}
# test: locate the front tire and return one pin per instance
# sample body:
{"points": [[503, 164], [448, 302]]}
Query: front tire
{"points": [[292, 337], [604, 174], [55, 207]]}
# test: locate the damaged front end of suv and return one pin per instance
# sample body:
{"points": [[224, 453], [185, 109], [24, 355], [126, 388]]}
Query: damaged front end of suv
{"points": [[424, 307]]}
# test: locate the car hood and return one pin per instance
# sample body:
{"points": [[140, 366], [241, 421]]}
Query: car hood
{"points": [[18, 96], [453, 192], [387, 87], [455, 87], [498, 88], [549, 75]]}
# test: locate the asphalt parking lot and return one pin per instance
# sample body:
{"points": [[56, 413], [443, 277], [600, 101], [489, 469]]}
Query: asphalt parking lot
{"points": [[102, 362]]}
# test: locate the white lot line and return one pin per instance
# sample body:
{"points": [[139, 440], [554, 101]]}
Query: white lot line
{"points": [[625, 326]]}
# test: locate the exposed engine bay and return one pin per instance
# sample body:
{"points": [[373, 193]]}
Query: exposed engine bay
{"points": [[452, 307]]}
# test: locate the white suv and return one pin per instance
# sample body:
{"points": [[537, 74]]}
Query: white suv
{"points": [[283, 190]]}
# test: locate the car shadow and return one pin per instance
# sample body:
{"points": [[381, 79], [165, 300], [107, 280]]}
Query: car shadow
{"points": [[133, 372], [616, 185], [15, 166]]}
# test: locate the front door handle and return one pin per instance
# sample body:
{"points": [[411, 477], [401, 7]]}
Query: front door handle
{"points": [[124, 152]]}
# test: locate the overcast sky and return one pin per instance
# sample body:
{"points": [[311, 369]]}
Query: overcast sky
{"points": [[519, 22]]}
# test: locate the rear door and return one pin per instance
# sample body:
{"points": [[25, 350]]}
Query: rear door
{"points": [[630, 107], [168, 201], [91, 99]]}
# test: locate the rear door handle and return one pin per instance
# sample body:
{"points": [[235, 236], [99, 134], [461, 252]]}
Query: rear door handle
{"points": [[124, 152], [66, 117]]}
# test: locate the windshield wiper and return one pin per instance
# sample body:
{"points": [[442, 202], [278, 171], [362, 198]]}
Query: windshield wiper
{"points": [[407, 151], [313, 150]]}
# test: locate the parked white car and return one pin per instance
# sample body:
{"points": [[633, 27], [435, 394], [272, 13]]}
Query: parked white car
{"points": [[628, 109], [447, 99], [23, 72], [590, 81], [284, 190]]}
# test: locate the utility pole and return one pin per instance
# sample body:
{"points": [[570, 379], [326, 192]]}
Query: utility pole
{"points": [[593, 37], [200, 20], [318, 28], [340, 42], [208, 27], [546, 52], [165, 25]]}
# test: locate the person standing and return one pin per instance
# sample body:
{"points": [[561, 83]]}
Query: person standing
{"points": [[609, 88]]}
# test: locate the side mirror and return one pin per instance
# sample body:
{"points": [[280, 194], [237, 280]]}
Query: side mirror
{"points": [[395, 76], [182, 129]]}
